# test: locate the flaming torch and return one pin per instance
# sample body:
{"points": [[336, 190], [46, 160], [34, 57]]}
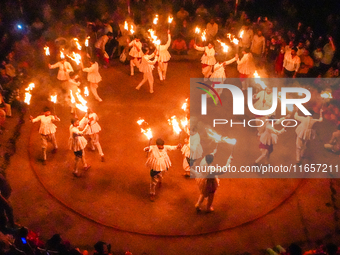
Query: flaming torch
{"points": [[131, 30], [28, 95], [126, 27], [155, 20], [224, 46], [230, 141], [77, 43], [326, 94], [47, 51], [175, 125], [204, 38], [169, 21], [148, 134], [241, 34], [54, 100], [140, 121], [86, 92], [259, 81], [185, 105], [197, 31], [62, 56], [212, 134]]}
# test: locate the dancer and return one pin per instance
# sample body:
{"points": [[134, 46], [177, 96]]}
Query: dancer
{"points": [[91, 118], [100, 49], [208, 182], [63, 73], [163, 59], [47, 131], [218, 76], [93, 78], [77, 144], [304, 133], [246, 67], [208, 59], [146, 67], [158, 162], [135, 53], [268, 138]]}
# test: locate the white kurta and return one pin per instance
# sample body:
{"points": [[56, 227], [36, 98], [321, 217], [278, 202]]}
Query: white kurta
{"points": [[246, 65], [136, 50], [46, 125], [159, 160], [147, 65], [270, 135], [64, 70], [304, 130], [219, 75], [164, 54], [76, 141], [208, 57], [94, 126], [93, 75], [196, 149]]}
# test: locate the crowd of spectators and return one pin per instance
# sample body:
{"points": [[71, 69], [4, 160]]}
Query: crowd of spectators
{"points": [[282, 51]]}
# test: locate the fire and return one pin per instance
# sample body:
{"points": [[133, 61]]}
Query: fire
{"points": [[27, 99], [73, 100], [203, 36], [153, 36], [131, 30], [86, 92], [229, 140], [47, 51], [229, 36], [87, 41], [30, 87], [170, 19], [126, 27], [158, 42], [62, 56], [241, 34], [212, 134], [155, 20], [259, 81], [140, 121], [75, 57], [184, 122], [235, 41], [147, 133], [173, 121], [224, 46], [326, 94], [80, 98], [197, 30], [54, 99], [184, 106], [77, 43]]}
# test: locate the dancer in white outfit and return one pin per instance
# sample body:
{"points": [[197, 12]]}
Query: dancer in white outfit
{"points": [[208, 59], [47, 130], [158, 162], [64, 70], [163, 59], [91, 118], [136, 54], [246, 67], [146, 67], [93, 78]]}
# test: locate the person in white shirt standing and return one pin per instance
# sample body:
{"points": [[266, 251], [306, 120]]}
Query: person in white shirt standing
{"points": [[136, 54], [212, 29], [64, 71], [208, 59], [77, 144], [304, 133], [246, 37], [291, 63], [163, 59], [158, 161], [47, 131], [146, 67], [93, 78], [100, 48], [258, 46], [92, 132]]}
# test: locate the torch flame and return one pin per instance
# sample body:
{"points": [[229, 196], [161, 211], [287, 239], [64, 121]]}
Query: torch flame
{"points": [[73, 100], [47, 51], [75, 57], [170, 19], [77, 43], [131, 30], [30, 86], [259, 81], [229, 140], [212, 134], [326, 95], [241, 34], [87, 41], [27, 98], [184, 122], [54, 99], [229, 35], [197, 30], [140, 121], [203, 36], [184, 106], [62, 56], [126, 27], [86, 92], [173, 121], [224, 46], [147, 133], [235, 41], [155, 20]]}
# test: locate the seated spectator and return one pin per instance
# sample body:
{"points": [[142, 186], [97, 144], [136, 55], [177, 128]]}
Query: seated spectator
{"points": [[179, 46], [102, 248], [182, 14], [55, 243], [334, 143]]}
